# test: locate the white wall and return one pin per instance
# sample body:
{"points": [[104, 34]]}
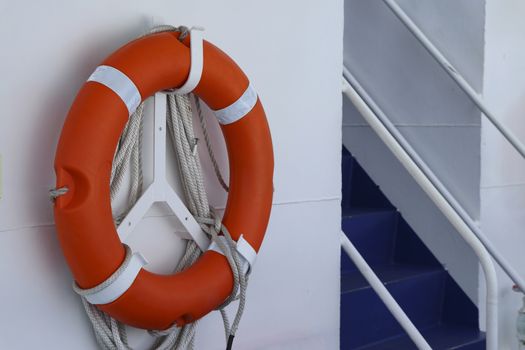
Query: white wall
{"points": [[292, 53], [502, 169], [427, 107]]}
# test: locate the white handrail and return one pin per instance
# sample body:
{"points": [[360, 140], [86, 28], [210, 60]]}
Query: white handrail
{"points": [[496, 255], [444, 206], [455, 75], [384, 294]]}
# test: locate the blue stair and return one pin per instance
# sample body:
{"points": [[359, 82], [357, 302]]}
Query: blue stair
{"points": [[432, 300]]}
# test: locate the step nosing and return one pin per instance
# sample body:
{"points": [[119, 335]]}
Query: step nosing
{"points": [[371, 211], [468, 342], [381, 341], [462, 343], [429, 272]]}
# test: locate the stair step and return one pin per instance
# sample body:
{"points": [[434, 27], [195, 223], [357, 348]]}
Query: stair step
{"points": [[373, 234], [347, 163], [365, 319], [356, 211], [425, 291], [364, 193], [442, 337], [388, 274], [409, 248]]}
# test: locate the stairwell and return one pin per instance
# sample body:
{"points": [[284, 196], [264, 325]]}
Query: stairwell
{"points": [[433, 301]]}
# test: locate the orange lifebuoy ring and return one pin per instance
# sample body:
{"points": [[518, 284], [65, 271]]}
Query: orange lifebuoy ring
{"points": [[83, 161]]}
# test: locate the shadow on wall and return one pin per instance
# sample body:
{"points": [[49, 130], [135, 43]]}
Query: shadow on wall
{"points": [[426, 105]]}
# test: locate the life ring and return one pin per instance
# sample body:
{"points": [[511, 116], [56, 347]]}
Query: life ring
{"points": [[84, 155]]}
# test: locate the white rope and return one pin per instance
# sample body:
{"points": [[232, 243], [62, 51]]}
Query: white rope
{"points": [[54, 193], [185, 144], [110, 333], [208, 145]]}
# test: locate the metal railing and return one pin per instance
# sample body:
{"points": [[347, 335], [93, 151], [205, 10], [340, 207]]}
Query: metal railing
{"points": [[455, 75], [471, 93], [440, 201], [383, 293], [434, 188]]}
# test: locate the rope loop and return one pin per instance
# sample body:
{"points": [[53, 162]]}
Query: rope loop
{"points": [[184, 31], [109, 280], [213, 226]]}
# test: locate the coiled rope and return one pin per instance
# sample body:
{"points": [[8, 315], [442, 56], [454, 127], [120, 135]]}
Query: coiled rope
{"points": [[110, 333]]}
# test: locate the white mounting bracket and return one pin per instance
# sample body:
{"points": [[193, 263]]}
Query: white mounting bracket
{"points": [[160, 190]]}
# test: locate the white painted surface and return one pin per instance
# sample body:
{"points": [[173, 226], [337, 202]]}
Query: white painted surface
{"points": [[428, 108], [502, 169], [159, 190], [294, 292]]}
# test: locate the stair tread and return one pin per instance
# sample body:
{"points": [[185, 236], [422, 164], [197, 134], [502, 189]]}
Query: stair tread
{"points": [[442, 337], [415, 278], [390, 273], [351, 212]]}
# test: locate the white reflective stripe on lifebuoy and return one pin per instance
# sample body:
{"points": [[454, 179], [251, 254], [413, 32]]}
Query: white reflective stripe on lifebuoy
{"points": [[239, 108], [120, 83], [196, 62], [244, 248], [121, 284]]}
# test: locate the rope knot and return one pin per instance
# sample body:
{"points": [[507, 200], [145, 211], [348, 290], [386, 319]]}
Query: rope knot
{"points": [[54, 193]]}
